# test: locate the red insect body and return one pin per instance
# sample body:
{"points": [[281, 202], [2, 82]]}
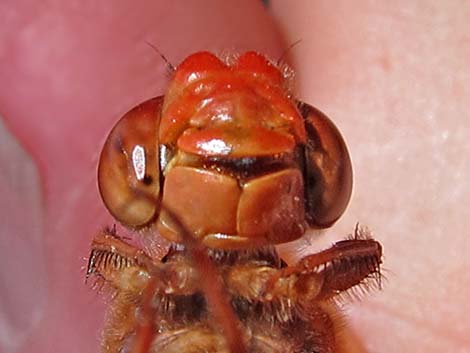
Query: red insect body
{"points": [[227, 164]]}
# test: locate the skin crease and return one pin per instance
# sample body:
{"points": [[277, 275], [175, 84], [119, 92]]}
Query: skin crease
{"points": [[394, 78]]}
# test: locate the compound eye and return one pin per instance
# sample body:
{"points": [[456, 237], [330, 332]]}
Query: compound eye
{"points": [[328, 170], [129, 172]]}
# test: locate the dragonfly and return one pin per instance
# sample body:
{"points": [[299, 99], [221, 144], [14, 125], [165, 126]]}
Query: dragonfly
{"points": [[226, 165]]}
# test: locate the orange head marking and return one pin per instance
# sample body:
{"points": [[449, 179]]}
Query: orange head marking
{"points": [[224, 105]]}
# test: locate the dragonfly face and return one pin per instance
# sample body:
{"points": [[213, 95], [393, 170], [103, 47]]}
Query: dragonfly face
{"points": [[225, 165], [231, 153]]}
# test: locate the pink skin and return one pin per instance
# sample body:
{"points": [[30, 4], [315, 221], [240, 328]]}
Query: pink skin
{"points": [[394, 78]]}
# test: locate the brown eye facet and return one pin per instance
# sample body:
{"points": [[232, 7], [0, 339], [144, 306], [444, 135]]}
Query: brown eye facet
{"points": [[129, 172], [328, 170]]}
